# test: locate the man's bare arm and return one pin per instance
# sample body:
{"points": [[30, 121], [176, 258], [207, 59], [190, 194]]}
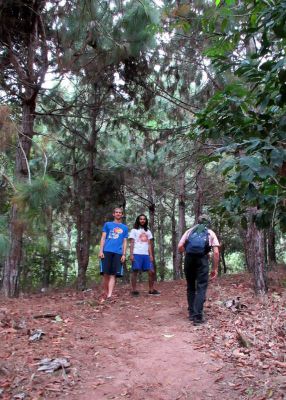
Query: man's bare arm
{"points": [[150, 250], [131, 249], [102, 241], [124, 250], [215, 262]]}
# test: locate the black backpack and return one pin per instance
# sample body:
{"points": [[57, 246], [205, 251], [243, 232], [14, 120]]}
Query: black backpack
{"points": [[198, 241]]}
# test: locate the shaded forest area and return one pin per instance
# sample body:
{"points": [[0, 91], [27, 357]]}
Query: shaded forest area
{"points": [[171, 108]]}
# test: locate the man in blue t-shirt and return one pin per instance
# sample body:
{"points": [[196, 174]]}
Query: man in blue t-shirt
{"points": [[112, 252]]}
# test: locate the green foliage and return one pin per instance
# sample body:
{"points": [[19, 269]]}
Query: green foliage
{"points": [[34, 199], [248, 114], [4, 237], [235, 262], [134, 27]]}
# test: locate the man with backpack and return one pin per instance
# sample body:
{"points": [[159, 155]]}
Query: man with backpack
{"points": [[197, 243]]}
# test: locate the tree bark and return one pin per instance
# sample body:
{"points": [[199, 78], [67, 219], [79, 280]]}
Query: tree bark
{"points": [[199, 195], [152, 209], [83, 192], [67, 261], [12, 266], [83, 220], [27, 57], [255, 249], [161, 248], [47, 256], [174, 239], [181, 223], [271, 246]]}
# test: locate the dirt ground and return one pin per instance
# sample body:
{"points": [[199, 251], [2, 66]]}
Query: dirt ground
{"points": [[145, 347]]}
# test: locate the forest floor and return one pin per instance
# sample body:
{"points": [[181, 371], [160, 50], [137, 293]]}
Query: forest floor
{"points": [[145, 347]]}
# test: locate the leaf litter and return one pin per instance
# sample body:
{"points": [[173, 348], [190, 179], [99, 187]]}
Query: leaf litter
{"points": [[245, 342]]}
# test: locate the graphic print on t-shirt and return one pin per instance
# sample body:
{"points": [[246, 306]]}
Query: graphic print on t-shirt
{"points": [[143, 237], [114, 233]]}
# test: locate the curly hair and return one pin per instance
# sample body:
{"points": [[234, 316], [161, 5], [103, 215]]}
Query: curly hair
{"points": [[137, 223]]}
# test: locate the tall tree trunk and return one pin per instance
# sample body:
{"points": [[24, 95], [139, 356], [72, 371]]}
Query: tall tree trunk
{"points": [[222, 257], [199, 195], [126, 273], [255, 249], [181, 223], [67, 261], [12, 266], [271, 246], [84, 191], [83, 221], [174, 238], [161, 247], [152, 209], [47, 255]]}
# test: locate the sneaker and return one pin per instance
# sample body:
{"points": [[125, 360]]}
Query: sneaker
{"points": [[154, 292], [135, 293]]}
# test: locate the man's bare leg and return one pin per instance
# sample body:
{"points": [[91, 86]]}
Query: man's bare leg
{"points": [[105, 284], [151, 276], [134, 280], [111, 284]]}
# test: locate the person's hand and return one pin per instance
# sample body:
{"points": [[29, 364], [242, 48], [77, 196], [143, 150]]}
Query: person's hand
{"points": [[214, 274], [151, 258], [101, 254], [131, 257], [181, 249], [122, 259]]}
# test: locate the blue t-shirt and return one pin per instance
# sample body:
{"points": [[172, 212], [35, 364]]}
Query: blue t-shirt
{"points": [[115, 234]]}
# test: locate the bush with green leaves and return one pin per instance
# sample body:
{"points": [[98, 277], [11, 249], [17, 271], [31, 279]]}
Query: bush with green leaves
{"points": [[247, 115]]}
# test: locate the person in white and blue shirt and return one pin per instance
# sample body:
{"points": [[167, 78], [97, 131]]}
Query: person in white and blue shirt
{"points": [[141, 253]]}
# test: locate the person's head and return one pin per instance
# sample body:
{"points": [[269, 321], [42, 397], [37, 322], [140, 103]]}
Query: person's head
{"points": [[141, 222], [117, 213], [204, 219]]}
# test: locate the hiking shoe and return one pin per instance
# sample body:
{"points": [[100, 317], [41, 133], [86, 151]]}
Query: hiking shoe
{"points": [[198, 321], [135, 293], [154, 292]]}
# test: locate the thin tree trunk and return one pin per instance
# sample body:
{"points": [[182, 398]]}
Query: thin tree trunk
{"points": [[67, 262], [161, 248], [199, 195], [126, 273], [12, 266], [222, 260], [152, 208], [84, 191], [174, 239], [47, 255], [181, 223], [83, 222], [271, 246]]}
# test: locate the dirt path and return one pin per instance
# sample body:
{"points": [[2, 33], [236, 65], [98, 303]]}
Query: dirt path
{"points": [[147, 349], [139, 348]]}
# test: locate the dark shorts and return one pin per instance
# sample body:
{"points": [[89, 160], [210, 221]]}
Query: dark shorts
{"points": [[141, 262], [111, 264]]}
